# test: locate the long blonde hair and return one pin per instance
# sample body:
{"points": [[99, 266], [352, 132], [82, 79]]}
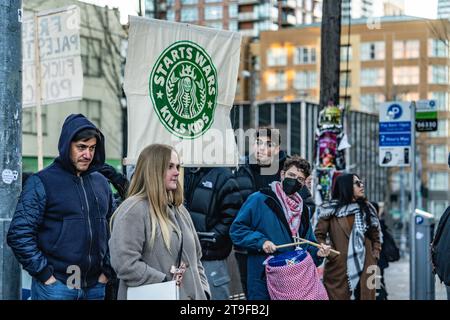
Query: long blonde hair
{"points": [[148, 183]]}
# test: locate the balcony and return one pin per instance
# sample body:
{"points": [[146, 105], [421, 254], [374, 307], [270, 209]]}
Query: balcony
{"points": [[249, 32], [248, 2], [289, 4], [248, 16]]}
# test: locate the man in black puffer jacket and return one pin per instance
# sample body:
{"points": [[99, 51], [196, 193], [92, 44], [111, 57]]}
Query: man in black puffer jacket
{"points": [[212, 198], [440, 248], [59, 232], [257, 171]]}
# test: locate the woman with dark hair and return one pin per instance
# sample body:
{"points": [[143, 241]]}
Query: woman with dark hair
{"points": [[351, 224]]}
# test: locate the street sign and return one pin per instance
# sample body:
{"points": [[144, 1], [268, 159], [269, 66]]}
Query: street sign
{"points": [[426, 116], [395, 134]]}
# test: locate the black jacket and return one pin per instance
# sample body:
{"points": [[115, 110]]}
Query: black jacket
{"points": [[440, 248], [212, 198], [250, 178], [61, 219]]}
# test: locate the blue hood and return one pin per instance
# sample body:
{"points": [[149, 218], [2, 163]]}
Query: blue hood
{"points": [[72, 125]]}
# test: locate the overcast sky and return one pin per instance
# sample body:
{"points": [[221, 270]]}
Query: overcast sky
{"points": [[417, 8]]}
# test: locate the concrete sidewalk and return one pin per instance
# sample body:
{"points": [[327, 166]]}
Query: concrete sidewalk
{"points": [[397, 281]]}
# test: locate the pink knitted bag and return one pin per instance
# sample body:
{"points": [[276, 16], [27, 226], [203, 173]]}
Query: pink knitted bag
{"points": [[295, 280]]}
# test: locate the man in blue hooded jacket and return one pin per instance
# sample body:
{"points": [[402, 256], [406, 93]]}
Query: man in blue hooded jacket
{"points": [[59, 232]]}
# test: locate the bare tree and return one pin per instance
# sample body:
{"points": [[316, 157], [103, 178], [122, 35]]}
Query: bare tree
{"points": [[440, 29]]}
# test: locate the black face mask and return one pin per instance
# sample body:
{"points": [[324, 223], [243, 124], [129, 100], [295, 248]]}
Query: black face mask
{"points": [[291, 186]]}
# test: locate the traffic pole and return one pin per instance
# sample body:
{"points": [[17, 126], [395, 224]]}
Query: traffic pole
{"points": [[412, 255], [10, 138]]}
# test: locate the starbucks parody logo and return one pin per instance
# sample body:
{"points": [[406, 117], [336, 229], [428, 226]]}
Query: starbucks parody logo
{"points": [[183, 89]]}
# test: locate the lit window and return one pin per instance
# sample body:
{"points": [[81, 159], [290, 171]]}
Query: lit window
{"points": [[213, 12], [277, 81], [408, 49], [406, 75], [276, 57]]}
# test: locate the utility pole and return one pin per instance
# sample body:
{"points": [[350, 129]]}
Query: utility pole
{"points": [[10, 138], [330, 52]]}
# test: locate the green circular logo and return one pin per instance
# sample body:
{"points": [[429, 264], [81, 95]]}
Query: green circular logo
{"points": [[183, 89]]}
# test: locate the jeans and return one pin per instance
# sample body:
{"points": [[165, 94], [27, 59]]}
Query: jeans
{"points": [[218, 278], [448, 292], [60, 291]]}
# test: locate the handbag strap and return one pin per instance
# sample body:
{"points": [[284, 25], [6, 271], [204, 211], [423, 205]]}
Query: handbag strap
{"points": [[181, 251]]}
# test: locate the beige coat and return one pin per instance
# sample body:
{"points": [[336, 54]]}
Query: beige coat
{"points": [[335, 273], [136, 263]]}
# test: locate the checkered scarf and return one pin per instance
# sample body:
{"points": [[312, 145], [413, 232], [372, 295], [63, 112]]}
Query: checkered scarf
{"points": [[292, 206], [356, 246]]}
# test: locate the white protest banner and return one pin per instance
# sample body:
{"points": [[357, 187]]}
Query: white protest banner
{"points": [[180, 83], [61, 74]]}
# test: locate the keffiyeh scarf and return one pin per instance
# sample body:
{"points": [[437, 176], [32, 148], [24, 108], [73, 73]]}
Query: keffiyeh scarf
{"points": [[292, 206], [356, 246]]}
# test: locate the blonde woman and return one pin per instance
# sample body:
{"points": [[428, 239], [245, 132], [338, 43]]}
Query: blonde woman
{"points": [[150, 226]]}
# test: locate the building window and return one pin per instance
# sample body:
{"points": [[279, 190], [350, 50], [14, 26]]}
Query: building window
{"points": [[233, 25], [437, 208], [29, 121], [371, 102], [441, 98], [372, 51], [437, 153], [438, 181], [277, 81], [171, 15], [189, 14], [213, 12], [437, 48], [91, 57], [305, 55], [345, 78], [408, 49], [305, 80], [276, 57], [442, 131], [233, 10], [438, 74], [346, 50], [372, 77], [92, 109], [189, 1], [406, 75]]}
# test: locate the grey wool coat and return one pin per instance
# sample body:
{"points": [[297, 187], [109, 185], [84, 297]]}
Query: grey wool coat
{"points": [[136, 263]]}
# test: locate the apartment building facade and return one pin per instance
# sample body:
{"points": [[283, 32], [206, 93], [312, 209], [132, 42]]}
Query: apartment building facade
{"points": [[404, 59]]}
